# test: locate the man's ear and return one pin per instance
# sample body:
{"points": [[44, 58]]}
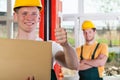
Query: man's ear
{"points": [[39, 19], [95, 31], [15, 17]]}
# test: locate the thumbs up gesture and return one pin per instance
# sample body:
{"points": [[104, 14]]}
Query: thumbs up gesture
{"points": [[61, 36]]}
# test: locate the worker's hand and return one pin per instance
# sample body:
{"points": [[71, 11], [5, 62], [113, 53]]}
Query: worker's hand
{"points": [[30, 78], [101, 56], [83, 61], [61, 36]]}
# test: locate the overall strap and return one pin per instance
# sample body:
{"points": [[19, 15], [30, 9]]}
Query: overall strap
{"points": [[95, 51], [81, 52]]}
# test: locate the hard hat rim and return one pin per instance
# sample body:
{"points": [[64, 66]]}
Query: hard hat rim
{"points": [[87, 24], [40, 8]]}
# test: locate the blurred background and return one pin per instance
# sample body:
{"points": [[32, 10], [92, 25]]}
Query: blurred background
{"points": [[104, 13]]}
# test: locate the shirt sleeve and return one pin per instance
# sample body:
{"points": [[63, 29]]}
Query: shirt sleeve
{"points": [[55, 48], [104, 49], [78, 50]]}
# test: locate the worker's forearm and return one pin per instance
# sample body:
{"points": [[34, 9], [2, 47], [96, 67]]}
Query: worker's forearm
{"points": [[99, 61], [70, 57], [96, 62], [84, 67]]}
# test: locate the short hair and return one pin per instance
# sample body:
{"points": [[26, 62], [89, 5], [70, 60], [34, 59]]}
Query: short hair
{"points": [[94, 29]]}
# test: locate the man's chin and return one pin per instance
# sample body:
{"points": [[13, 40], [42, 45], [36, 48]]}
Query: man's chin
{"points": [[28, 31], [89, 40]]}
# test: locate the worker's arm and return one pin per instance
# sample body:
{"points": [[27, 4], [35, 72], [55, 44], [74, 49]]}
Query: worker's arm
{"points": [[68, 56], [83, 66], [99, 61]]}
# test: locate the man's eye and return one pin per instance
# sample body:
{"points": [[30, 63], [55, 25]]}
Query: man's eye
{"points": [[34, 14], [90, 32], [24, 14]]}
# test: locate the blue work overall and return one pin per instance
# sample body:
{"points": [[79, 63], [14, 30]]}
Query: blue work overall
{"points": [[91, 73]]}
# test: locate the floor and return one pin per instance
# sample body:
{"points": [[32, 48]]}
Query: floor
{"points": [[105, 78]]}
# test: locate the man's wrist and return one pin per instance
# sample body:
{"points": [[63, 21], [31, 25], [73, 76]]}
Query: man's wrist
{"points": [[65, 44]]}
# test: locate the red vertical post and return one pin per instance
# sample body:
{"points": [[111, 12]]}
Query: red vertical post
{"points": [[41, 25], [56, 7], [53, 18]]}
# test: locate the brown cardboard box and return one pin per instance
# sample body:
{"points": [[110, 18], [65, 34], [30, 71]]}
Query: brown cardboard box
{"points": [[20, 59]]}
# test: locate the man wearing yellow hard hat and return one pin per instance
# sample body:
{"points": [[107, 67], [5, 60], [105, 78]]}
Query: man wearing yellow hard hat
{"points": [[92, 55], [27, 15]]}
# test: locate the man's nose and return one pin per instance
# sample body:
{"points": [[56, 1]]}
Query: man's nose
{"points": [[29, 17]]}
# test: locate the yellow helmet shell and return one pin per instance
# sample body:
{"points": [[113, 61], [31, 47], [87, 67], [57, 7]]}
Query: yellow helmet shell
{"points": [[87, 25], [20, 3]]}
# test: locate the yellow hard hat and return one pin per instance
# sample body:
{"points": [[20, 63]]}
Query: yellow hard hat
{"points": [[20, 3], [87, 24]]}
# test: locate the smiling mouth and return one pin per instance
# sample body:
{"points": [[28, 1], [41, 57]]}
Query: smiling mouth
{"points": [[29, 23]]}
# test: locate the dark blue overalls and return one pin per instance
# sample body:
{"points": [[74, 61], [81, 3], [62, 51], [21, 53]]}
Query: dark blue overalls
{"points": [[91, 73], [53, 75]]}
